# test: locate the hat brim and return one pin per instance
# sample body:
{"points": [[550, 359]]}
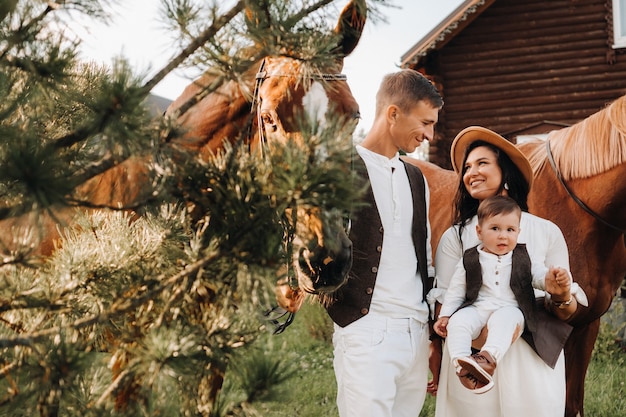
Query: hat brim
{"points": [[473, 133]]}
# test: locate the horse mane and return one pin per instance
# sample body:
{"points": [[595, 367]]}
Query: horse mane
{"points": [[589, 147]]}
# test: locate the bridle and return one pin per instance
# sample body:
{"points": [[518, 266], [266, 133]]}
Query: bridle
{"points": [[573, 196], [275, 314], [255, 105]]}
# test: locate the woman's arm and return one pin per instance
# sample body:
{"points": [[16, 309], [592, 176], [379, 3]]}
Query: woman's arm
{"points": [[449, 252], [561, 302], [456, 292]]}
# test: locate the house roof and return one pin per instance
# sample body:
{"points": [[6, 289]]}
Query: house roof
{"points": [[445, 30]]}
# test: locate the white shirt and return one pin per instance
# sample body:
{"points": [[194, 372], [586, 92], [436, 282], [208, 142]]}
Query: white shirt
{"points": [[496, 283], [544, 242], [398, 291]]}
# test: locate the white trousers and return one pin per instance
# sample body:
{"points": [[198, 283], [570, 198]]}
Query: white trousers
{"points": [[505, 325], [381, 366]]}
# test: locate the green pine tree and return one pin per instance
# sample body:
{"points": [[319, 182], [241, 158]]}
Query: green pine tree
{"points": [[137, 310]]}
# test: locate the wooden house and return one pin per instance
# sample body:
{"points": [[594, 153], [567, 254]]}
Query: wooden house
{"points": [[522, 66]]}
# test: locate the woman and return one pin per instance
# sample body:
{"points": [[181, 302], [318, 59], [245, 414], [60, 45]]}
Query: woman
{"points": [[525, 384]]}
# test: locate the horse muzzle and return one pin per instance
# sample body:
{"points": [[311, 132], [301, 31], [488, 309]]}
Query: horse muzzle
{"points": [[322, 270]]}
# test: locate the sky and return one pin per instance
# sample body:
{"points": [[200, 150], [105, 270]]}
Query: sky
{"points": [[136, 34]]}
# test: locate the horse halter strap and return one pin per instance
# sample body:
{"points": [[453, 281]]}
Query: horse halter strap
{"points": [[255, 105], [571, 193]]}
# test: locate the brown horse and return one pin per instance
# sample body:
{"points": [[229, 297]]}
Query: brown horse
{"points": [[277, 92], [263, 106], [590, 208]]}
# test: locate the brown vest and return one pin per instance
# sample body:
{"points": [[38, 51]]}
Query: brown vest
{"points": [[521, 281], [545, 333], [353, 300]]}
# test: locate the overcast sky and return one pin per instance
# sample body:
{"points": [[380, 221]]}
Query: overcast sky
{"points": [[136, 34]]}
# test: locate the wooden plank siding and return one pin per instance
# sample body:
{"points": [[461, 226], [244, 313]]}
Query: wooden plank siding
{"points": [[521, 62]]}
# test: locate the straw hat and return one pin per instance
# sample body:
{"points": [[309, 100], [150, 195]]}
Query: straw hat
{"points": [[474, 133]]}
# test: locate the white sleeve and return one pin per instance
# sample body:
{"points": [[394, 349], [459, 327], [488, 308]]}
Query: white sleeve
{"points": [[557, 253], [448, 254], [455, 293], [445, 263], [539, 272]]}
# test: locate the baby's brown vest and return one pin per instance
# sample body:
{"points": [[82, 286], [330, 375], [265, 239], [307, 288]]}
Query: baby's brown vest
{"points": [[521, 281]]}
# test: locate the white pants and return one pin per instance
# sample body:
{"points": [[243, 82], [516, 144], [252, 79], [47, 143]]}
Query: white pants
{"points": [[381, 366], [505, 325]]}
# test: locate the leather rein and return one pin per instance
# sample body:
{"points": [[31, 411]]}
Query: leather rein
{"points": [[573, 196]]}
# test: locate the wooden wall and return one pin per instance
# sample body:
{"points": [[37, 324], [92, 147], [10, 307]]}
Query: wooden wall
{"points": [[522, 62]]}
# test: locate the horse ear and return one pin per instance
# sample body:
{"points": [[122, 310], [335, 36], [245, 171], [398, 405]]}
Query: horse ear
{"points": [[350, 26]]}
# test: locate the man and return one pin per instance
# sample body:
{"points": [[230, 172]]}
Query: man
{"points": [[381, 338]]}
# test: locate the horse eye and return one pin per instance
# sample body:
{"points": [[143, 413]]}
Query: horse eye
{"points": [[267, 118]]}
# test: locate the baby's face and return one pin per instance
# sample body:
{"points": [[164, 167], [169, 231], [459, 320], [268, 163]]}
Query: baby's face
{"points": [[499, 233]]}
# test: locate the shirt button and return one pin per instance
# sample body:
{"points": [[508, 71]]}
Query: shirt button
{"points": [[364, 311], [381, 229], [374, 269], [369, 291], [497, 283], [379, 249]]}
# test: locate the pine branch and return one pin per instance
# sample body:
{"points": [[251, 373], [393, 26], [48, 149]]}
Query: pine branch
{"points": [[119, 308], [204, 37], [307, 11], [23, 32]]}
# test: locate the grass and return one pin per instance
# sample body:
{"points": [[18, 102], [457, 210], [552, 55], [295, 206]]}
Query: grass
{"points": [[300, 362]]}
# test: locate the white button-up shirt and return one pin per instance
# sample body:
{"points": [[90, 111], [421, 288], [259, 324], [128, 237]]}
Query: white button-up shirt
{"points": [[496, 283], [398, 291]]}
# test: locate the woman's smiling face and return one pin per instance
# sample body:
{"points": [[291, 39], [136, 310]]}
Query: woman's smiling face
{"points": [[482, 176]]}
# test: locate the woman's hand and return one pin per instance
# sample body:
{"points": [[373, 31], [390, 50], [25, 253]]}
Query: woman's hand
{"points": [[441, 325]]}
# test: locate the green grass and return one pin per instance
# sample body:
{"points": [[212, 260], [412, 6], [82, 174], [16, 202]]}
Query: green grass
{"points": [[605, 384], [304, 353]]}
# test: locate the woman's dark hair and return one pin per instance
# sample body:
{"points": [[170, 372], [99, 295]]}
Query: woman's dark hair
{"points": [[466, 206]]}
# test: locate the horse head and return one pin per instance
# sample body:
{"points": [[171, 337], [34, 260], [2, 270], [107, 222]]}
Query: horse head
{"points": [[267, 107]]}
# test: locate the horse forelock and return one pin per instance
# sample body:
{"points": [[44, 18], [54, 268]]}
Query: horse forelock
{"points": [[593, 145]]}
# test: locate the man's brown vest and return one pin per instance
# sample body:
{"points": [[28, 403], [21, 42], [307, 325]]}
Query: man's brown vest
{"points": [[353, 300]]}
